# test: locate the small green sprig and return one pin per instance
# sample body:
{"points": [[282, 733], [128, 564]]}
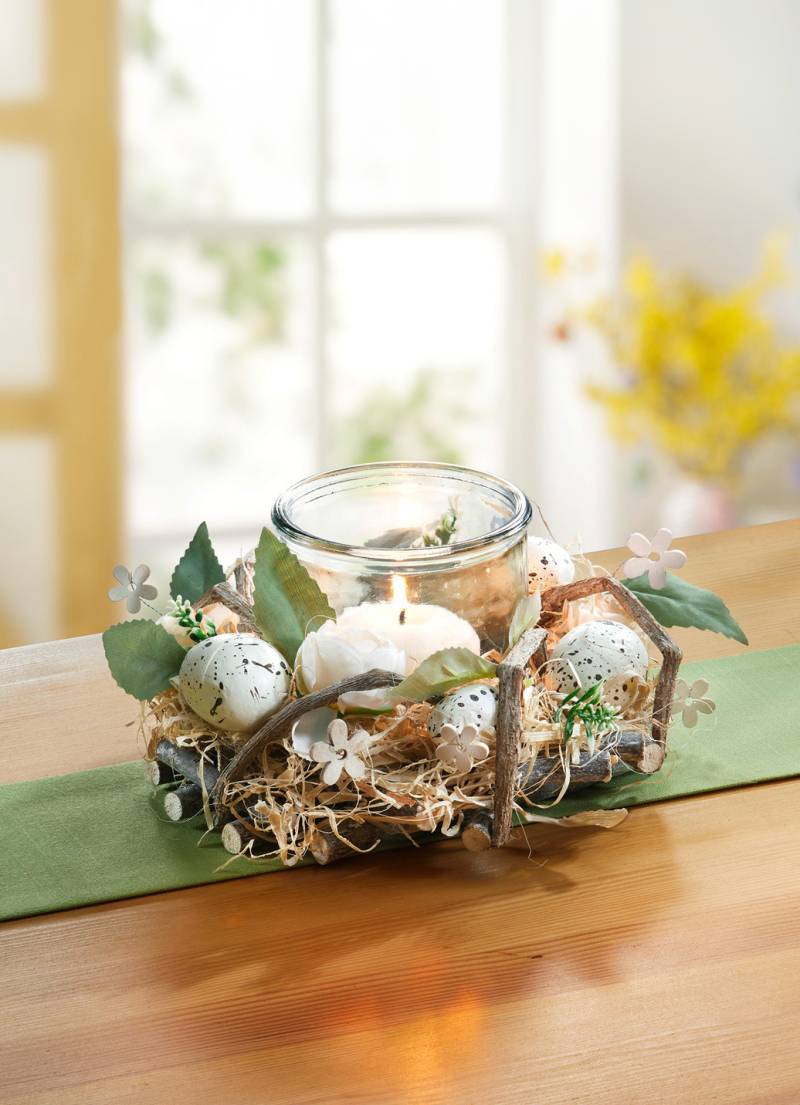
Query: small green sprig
{"points": [[585, 706], [196, 624], [444, 531]]}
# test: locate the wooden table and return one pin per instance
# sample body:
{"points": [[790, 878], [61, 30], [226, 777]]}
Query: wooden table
{"points": [[658, 962]]}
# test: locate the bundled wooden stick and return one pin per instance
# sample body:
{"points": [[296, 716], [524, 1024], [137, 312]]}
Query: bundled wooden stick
{"points": [[185, 801]]}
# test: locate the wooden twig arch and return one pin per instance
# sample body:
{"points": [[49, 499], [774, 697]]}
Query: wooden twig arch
{"points": [[530, 647]]}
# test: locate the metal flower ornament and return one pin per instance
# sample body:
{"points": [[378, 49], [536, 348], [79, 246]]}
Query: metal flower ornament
{"points": [[459, 749], [691, 701], [340, 752], [654, 557], [133, 588]]}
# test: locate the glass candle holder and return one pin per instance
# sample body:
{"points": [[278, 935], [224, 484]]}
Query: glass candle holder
{"points": [[413, 534]]}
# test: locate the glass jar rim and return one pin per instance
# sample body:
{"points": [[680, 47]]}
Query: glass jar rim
{"points": [[519, 512]]}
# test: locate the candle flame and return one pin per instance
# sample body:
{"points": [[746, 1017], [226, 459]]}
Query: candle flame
{"points": [[399, 591]]}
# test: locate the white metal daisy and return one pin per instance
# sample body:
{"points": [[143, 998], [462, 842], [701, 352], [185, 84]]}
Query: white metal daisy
{"points": [[340, 752], [653, 557], [691, 701], [132, 587], [460, 748]]}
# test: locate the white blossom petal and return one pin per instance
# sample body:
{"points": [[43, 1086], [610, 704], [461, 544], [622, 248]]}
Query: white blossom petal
{"points": [[354, 767], [140, 574], [332, 772], [337, 733], [689, 717], [479, 751], [662, 540], [657, 574], [639, 544], [634, 566], [705, 706], [117, 594], [698, 688], [122, 574], [359, 740], [322, 752], [673, 558], [134, 605]]}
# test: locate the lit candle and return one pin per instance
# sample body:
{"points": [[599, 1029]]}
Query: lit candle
{"points": [[418, 629]]}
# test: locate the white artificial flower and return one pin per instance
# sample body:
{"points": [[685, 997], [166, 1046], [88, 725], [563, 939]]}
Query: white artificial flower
{"points": [[340, 752], [188, 626], [176, 630], [132, 587], [335, 652], [691, 701], [460, 748], [653, 557]]}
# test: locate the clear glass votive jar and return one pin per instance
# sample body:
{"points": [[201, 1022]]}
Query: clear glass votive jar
{"points": [[413, 533]]}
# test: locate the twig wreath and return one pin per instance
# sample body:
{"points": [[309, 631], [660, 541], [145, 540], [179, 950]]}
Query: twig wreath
{"points": [[242, 729]]}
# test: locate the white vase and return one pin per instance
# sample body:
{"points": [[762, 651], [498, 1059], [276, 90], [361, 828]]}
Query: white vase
{"points": [[696, 507]]}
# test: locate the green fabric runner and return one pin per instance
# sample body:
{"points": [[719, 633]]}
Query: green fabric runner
{"points": [[98, 836]]}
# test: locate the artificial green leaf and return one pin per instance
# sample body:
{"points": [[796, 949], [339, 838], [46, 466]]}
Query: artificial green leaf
{"points": [[526, 613], [142, 657], [288, 603], [684, 604], [198, 569], [440, 673]]}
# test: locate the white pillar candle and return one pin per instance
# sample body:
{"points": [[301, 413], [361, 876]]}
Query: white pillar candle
{"points": [[419, 629]]}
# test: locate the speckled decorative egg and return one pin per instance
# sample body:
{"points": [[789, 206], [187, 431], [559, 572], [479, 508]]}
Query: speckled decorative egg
{"points": [[234, 681], [548, 564], [595, 651], [472, 705]]}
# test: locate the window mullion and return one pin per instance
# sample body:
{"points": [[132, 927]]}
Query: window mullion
{"points": [[320, 231], [522, 197]]}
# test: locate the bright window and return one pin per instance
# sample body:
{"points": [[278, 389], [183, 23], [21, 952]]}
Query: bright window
{"points": [[316, 248]]}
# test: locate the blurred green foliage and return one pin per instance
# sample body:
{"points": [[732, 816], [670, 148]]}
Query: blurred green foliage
{"points": [[249, 284], [422, 422], [252, 285], [142, 37]]}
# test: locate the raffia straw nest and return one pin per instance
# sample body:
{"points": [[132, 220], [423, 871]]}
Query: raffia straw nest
{"points": [[406, 786]]}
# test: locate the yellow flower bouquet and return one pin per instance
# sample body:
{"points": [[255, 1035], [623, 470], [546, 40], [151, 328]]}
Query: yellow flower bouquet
{"points": [[700, 375]]}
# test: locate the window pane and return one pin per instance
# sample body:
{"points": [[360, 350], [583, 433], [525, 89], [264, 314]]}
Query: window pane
{"points": [[415, 346], [217, 107], [21, 49], [29, 553], [219, 382], [25, 306], [416, 104]]}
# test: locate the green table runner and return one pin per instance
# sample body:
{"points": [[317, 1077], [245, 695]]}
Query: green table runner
{"points": [[97, 836]]}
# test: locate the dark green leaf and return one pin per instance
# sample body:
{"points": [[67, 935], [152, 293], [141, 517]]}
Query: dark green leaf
{"points": [[681, 603], [288, 603], [142, 657], [440, 673], [198, 568]]}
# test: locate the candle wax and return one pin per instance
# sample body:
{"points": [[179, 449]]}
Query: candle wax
{"points": [[419, 629]]}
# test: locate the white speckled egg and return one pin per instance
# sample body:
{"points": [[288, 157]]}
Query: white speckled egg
{"points": [[549, 564], [473, 705], [234, 681], [595, 651]]}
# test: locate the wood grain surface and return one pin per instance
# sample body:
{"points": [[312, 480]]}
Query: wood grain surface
{"points": [[655, 963]]}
